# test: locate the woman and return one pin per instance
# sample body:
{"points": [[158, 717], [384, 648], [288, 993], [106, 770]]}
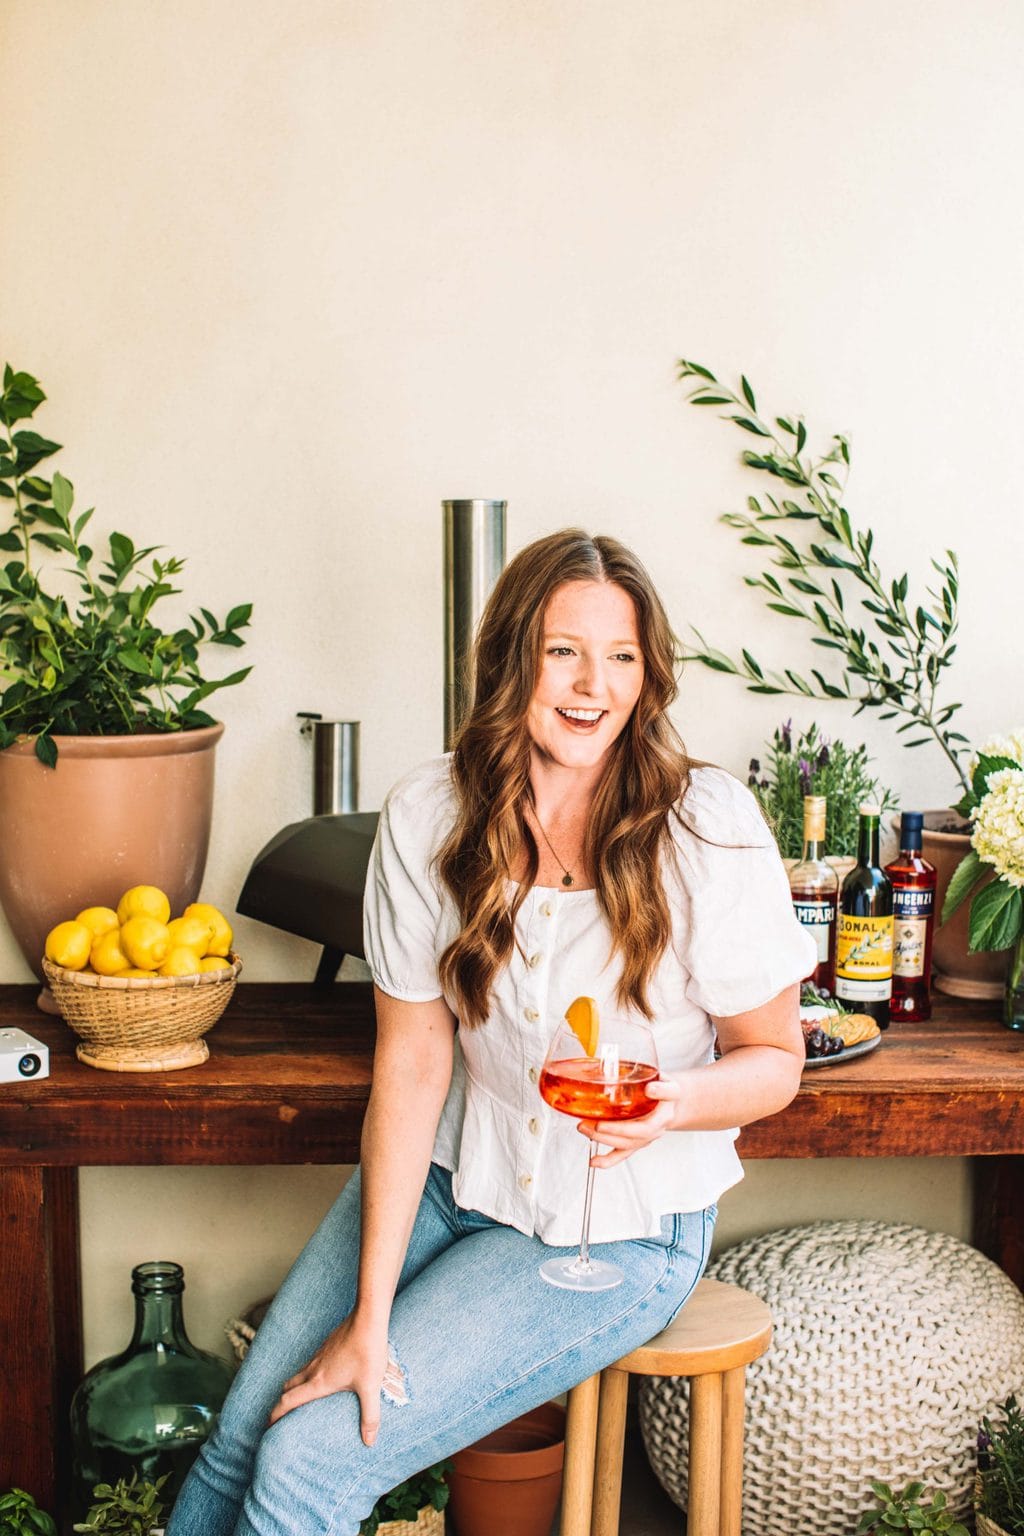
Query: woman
{"points": [[567, 847]]}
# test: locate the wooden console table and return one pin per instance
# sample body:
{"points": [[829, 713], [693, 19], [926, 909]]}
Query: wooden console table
{"points": [[287, 1082]]}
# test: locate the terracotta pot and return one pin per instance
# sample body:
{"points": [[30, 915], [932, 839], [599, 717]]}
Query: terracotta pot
{"points": [[957, 971], [508, 1483], [116, 811]]}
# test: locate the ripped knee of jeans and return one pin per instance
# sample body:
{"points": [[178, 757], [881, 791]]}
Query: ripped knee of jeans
{"points": [[394, 1387]]}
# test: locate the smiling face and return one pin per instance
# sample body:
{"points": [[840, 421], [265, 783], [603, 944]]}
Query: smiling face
{"points": [[591, 674]]}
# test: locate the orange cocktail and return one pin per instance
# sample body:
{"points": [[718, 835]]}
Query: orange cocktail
{"points": [[580, 1087], [606, 1081]]}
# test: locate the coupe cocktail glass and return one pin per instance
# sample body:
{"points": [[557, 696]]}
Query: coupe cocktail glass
{"points": [[609, 1085]]}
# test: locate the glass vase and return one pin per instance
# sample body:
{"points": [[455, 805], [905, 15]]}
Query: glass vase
{"points": [[150, 1408], [1013, 997]]}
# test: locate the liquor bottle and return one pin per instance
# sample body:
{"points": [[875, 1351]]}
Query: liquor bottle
{"points": [[150, 1408], [913, 911], [814, 887], [864, 937]]}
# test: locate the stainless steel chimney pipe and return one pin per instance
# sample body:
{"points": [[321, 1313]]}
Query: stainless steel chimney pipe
{"points": [[474, 554], [335, 763]]}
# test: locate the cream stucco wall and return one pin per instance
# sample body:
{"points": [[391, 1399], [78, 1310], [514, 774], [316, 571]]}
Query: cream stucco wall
{"points": [[291, 275]]}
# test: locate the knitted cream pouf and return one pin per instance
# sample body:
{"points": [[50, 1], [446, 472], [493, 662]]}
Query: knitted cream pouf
{"points": [[890, 1343]]}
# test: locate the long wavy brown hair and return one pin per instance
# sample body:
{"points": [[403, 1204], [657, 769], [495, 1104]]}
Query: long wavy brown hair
{"points": [[627, 829]]}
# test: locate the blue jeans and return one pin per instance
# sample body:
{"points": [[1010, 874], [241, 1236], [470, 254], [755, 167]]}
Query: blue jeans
{"points": [[479, 1336]]}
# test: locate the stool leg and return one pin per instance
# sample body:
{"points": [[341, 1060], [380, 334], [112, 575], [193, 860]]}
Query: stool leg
{"points": [[733, 1383], [705, 1476], [580, 1450], [611, 1435]]}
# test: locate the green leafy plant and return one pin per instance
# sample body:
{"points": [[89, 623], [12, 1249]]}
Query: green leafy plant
{"points": [[1001, 1468], [994, 804], [98, 664], [894, 652], [811, 764], [20, 1515], [406, 1501], [905, 1512], [128, 1508]]}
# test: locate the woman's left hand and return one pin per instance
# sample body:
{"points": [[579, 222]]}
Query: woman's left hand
{"points": [[624, 1137]]}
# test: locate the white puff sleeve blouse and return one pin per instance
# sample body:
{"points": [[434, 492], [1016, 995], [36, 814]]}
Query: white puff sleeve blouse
{"points": [[735, 944]]}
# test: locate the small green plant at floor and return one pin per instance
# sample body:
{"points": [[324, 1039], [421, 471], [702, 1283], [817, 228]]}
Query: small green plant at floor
{"points": [[1001, 1465], [20, 1515], [905, 1512], [406, 1501], [128, 1508], [811, 764]]}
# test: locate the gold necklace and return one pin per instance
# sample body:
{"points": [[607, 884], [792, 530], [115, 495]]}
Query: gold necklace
{"points": [[567, 879]]}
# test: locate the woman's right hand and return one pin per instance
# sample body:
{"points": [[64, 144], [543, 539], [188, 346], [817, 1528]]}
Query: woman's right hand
{"points": [[354, 1358]]}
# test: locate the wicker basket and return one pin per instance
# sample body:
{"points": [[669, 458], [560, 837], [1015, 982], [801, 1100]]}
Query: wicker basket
{"points": [[429, 1522], [982, 1524], [134, 1024]]}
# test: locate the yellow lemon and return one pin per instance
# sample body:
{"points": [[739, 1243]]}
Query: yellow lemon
{"points": [[108, 958], [69, 944], [582, 1018], [146, 942], [220, 944], [143, 901], [181, 962], [98, 920], [137, 973], [215, 963], [193, 932]]}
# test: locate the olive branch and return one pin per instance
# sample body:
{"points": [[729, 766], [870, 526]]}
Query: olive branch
{"points": [[894, 659]]}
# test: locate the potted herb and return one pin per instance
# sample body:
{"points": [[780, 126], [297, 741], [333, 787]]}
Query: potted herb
{"points": [[999, 1501], [414, 1508], [106, 750], [20, 1515], [894, 651], [811, 764], [128, 1508], [906, 1512]]}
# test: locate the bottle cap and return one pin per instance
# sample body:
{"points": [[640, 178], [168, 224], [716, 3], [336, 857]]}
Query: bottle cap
{"points": [[911, 823], [869, 810], [814, 816]]}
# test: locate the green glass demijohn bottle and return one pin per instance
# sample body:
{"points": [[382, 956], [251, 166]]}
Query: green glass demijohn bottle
{"points": [[150, 1408]]}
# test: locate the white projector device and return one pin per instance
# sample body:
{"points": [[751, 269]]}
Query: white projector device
{"points": [[22, 1057]]}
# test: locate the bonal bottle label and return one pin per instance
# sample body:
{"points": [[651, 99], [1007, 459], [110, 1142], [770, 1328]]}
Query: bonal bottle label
{"points": [[911, 911], [817, 917], [864, 958]]}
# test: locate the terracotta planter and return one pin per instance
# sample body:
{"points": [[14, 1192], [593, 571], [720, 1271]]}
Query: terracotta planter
{"points": [[957, 971], [508, 1483], [116, 811]]}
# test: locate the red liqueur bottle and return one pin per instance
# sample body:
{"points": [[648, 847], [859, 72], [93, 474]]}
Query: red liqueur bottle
{"points": [[814, 887], [913, 909]]}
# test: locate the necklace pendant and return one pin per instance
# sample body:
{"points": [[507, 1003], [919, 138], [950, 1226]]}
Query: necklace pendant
{"points": [[567, 878]]}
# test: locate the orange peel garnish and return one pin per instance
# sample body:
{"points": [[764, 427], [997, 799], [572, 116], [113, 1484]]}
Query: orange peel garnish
{"points": [[582, 1018]]}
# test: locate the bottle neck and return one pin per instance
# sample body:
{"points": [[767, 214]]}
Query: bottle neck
{"points": [[867, 841], [158, 1320], [814, 849]]}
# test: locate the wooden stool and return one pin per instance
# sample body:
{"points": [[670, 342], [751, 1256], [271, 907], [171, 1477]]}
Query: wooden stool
{"points": [[719, 1332]]}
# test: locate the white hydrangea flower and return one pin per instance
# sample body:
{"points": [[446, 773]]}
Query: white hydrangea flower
{"points": [[998, 836], [1011, 745]]}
